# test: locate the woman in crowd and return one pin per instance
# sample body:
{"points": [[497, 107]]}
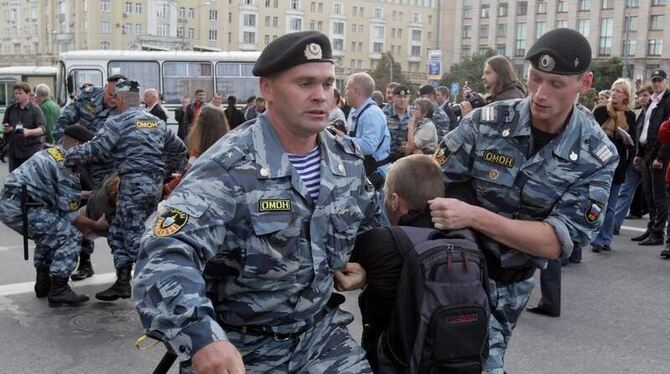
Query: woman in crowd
{"points": [[603, 97], [209, 126], [617, 121], [421, 131]]}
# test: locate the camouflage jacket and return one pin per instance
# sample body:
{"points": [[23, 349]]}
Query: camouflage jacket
{"points": [[48, 183], [241, 241], [135, 141], [565, 183], [397, 128], [87, 110]]}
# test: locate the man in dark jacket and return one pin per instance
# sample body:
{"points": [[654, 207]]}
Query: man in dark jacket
{"points": [[153, 104], [180, 117], [235, 116], [652, 159]]}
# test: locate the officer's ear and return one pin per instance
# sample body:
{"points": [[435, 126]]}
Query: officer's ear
{"points": [[587, 80]]}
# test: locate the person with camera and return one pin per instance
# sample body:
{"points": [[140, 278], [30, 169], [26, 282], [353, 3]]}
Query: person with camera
{"points": [[24, 126], [500, 81]]}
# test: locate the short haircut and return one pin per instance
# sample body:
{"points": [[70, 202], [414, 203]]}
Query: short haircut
{"points": [[444, 90], [22, 86], [392, 85], [199, 90], [42, 90], [152, 91], [260, 99], [251, 99], [232, 100], [378, 97], [364, 81], [426, 106], [604, 93], [645, 87], [403, 176]]}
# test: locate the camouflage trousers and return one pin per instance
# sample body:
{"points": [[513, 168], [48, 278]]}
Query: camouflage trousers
{"points": [[137, 199], [327, 348], [56, 239], [507, 303]]}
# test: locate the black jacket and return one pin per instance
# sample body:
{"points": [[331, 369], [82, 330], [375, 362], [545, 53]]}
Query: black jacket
{"points": [[159, 112], [653, 149], [601, 116]]}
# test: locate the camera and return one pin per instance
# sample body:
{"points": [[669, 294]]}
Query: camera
{"points": [[18, 128], [475, 99], [337, 124]]}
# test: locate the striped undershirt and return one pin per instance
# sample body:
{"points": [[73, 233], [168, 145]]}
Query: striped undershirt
{"points": [[309, 168]]}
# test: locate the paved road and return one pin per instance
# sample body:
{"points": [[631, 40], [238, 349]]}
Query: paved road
{"points": [[615, 319]]}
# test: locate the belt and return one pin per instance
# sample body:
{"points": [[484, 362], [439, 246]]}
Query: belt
{"points": [[260, 330]]}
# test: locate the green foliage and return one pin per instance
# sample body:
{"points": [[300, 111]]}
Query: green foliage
{"points": [[469, 70], [605, 72], [589, 98], [382, 73]]}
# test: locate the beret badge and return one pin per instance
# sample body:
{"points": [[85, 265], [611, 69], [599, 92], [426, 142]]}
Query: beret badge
{"points": [[313, 51], [547, 63]]}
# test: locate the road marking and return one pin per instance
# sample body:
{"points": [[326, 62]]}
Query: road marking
{"points": [[631, 228], [14, 247], [27, 287]]}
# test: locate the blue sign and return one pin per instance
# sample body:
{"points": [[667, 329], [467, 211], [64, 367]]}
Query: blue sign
{"points": [[434, 68], [455, 88]]}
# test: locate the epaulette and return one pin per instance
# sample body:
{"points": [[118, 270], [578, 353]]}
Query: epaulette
{"points": [[231, 157], [496, 114], [349, 146]]}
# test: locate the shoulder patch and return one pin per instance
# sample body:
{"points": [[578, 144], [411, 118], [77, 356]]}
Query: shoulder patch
{"points": [[442, 153], [604, 153], [91, 108], [231, 157], [56, 154], [74, 205], [349, 146], [170, 222], [146, 124], [593, 211], [489, 114]]}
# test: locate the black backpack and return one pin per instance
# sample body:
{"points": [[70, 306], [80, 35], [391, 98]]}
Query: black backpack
{"points": [[441, 318]]}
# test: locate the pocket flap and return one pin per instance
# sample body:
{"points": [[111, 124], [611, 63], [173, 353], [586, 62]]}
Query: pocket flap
{"points": [[267, 223]]}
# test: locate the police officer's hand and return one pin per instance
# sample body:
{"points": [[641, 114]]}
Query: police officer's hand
{"points": [[351, 277], [637, 163], [218, 358], [450, 214], [466, 107], [657, 164]]}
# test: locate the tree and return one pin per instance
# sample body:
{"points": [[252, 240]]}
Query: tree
{"points": [[605, 72], [382, 74], [588, 99], [469, 70]]}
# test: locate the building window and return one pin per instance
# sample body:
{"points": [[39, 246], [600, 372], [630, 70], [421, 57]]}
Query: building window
{"points": [[465, 52], [378, 47], [360, 30], [319, 26], [354, 27], [484, 11], [655, 47], [608, 4], [213, 14], [337, 8], [105, 45], [360, 46], [191, 33], [502, 10], [483, 31], [353, 47], [483, 48], [355, 12], [312, 6], [416, 35], [520, 41], [338, 28], [378, 32], [606, 32], [430, 19], [139, 28], [267, 39], [541, 7], [561, 23], [501, 30], [320, 8], [181, 32], [657, 2], [249, 37], [629, 47], [104, 27], [584, 5], [213, 35], [583, 26], [429, 37], [338, 44], [501, 49], [562, 7], [467, 12], [656, 22], [126, 28], [467, 30], [138, 8], [378, 13], [250, 20], [275, 21], [540, 29], [267, 21], [630, 23], [295, 4], [416, 17], [182, 12], [361, 13], [105, 6], [128, 7], [416, 51], [191, 13], [295, 24], [632, 3], [522, 8]]}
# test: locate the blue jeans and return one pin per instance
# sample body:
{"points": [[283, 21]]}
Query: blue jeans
{"points": [[626, 194], [606, 232]]}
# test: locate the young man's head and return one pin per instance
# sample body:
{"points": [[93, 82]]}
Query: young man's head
{"points": [[559, 62], [498, 74], [643, 96], [427, 91], [400, 99], [441, 95], [403, 194], [200, 96], [259, 103], [217, 99], [22, 93], [389, 91]]}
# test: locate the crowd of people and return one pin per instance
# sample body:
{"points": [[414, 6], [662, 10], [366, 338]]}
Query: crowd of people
{"points": [[262, 206]]}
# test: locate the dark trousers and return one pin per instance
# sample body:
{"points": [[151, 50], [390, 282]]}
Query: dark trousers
{"points": [[550, 285], [653, 185], [15, 162]]}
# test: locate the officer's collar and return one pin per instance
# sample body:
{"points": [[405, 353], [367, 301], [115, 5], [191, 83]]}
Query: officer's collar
{"points": [[565, 143]]}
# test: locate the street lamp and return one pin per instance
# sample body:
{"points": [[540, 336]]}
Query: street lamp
{"points": [[388, 56]]}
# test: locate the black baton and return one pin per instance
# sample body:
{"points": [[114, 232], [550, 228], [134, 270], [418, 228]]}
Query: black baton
{"points": [[166, 363], [24, 216]]}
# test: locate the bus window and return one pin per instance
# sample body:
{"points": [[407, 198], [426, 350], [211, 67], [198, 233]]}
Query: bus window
{"points": [[5, 88], [82, 76], [234, 78], [145, 72], [183, 78]]}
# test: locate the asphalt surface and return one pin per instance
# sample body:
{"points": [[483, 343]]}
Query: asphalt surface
{"points": [[615, 318]]}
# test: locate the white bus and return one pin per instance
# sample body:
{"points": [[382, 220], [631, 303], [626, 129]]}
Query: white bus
{"points": [[175, 74], [32, 75]]}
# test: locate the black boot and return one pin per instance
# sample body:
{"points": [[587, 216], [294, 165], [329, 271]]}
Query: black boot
{"points": [[120, 288], [62, 295], [85, 269], [641, 237], [42, 282]]}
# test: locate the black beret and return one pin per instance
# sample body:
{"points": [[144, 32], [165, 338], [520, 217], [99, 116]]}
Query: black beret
{"points": [[117, 77], [293, 49], [426, 89], [561, 51], [401, 91], [79, 132], [659, 74]]}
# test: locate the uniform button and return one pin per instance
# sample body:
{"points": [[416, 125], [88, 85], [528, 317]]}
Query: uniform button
{"points": [[264, 172], [182, 349]]}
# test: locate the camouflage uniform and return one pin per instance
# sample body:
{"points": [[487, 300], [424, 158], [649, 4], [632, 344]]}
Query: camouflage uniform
{"points": [[135, 141], [51, 224], [565, 184], [397, 128], [441, 121], [268, 252]]}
